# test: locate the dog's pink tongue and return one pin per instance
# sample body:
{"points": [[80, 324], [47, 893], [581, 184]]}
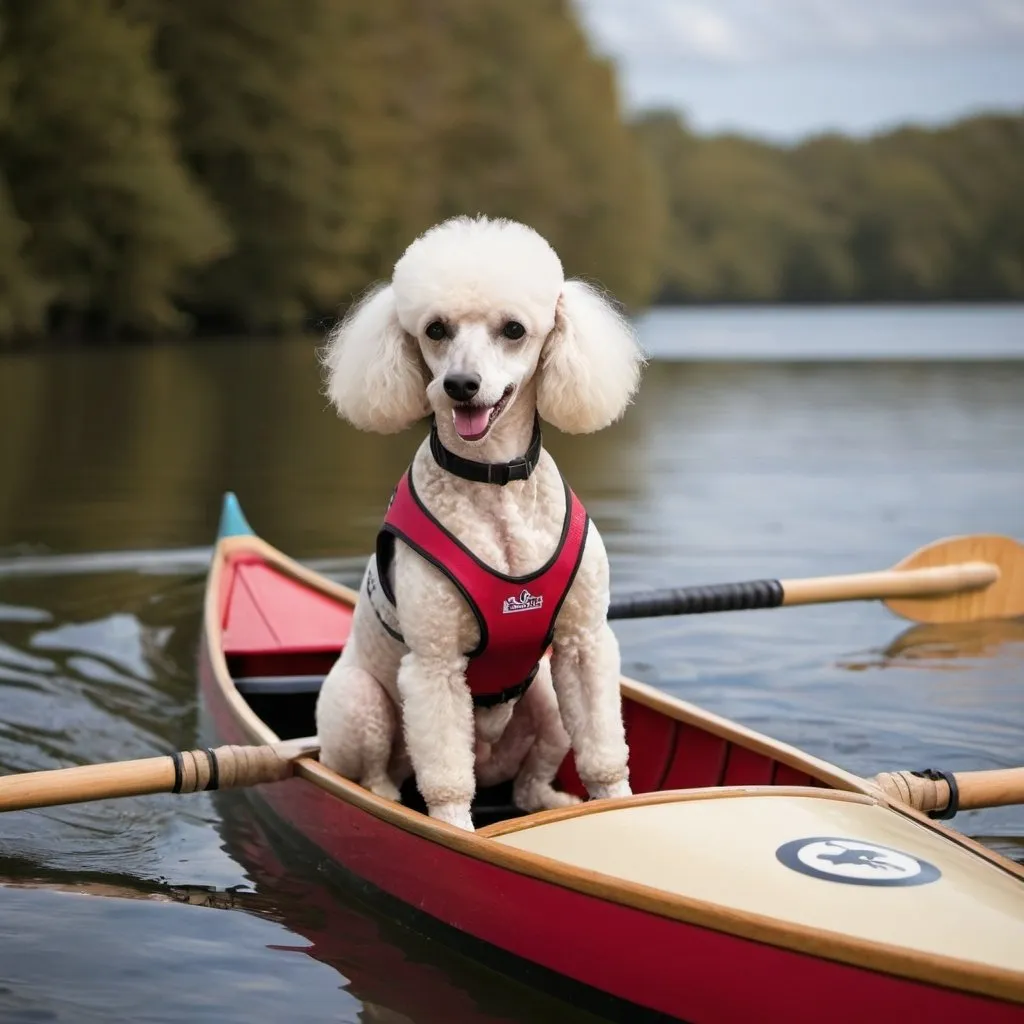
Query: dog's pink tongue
{"points": [[470, 420]]}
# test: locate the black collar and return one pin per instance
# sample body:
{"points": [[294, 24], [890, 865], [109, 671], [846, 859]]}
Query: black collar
{"points": [[487, 472]]}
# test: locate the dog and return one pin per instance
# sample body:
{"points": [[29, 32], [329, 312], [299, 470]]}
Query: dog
{"points": [[479, 329]]}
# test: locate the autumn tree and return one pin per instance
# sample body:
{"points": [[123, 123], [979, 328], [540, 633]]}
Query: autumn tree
{"points": [[254, 166], [22, 295], [910, 215], [116, 221]]}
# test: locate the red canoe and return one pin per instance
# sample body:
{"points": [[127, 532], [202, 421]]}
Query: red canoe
{"points": [[743, 880]]}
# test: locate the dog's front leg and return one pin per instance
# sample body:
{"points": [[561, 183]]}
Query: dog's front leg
{"points": [[585, 670], [585, 665], [438, 719]]}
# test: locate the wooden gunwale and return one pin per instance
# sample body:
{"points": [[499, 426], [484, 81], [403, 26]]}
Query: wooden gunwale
{"points": [[665, 796], [941, 971]]}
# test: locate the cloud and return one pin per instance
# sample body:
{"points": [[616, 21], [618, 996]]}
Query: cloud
{"points": [[703, 29], [730, 32], [787, 68]]}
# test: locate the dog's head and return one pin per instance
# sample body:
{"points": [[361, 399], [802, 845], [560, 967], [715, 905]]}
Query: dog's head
{"points": [[477, 308]]}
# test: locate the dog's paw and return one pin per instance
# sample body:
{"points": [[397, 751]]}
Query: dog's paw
{"points": [[608, 790], [556, 798], [383, 787], [454, 814], [539, 796]]}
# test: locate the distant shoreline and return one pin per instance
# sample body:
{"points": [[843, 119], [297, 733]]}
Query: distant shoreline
{"points": [[738, 323]]}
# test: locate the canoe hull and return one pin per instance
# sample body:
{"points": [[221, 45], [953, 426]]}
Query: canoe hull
{"points": [[632, 945], [632, 958]]}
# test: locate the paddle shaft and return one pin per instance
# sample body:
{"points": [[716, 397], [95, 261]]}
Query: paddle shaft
{"points": [[996, 788], [192, 771], [187, 771], [865, 586]]}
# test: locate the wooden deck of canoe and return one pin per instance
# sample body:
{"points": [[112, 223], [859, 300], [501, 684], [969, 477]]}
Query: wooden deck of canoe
{"points": [[743, 880]]}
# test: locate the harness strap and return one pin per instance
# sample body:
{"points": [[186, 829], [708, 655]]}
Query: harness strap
{"points": [[412, 522]]}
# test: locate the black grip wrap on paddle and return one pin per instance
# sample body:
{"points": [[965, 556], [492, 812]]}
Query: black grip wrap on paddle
{"points": [[719, 597], [950, 810]]}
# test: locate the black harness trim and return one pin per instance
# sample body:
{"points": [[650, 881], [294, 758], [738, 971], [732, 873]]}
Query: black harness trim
{"points": [[385, 553], [572, 575], [490, 700], [385, 541], [393, 633]]}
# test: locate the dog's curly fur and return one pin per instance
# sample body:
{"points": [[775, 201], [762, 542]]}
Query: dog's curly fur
{"points": [[388, 708]]}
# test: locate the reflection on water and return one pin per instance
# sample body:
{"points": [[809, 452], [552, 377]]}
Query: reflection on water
{"points": [[154, 962], [112, 464], [930, 645], [279, 945]]}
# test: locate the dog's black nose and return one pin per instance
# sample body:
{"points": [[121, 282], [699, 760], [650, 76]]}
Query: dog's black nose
{"points": [[462, 386]]}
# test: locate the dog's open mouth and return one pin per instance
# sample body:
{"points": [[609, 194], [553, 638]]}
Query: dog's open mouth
{"points": [[472, 421]]}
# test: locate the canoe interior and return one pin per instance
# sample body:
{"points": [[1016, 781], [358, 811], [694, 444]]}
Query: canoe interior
{"points": [[281, 636]]}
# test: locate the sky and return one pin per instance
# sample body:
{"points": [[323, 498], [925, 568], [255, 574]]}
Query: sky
{"points": [[784, 69]]}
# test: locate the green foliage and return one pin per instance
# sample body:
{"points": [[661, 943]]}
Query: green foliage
{"points": [[254, 166], [534, 132], [92, 167], [977, 169], [22, 296], [260, 90], [333, 132], [910, 215], [738, 225]]}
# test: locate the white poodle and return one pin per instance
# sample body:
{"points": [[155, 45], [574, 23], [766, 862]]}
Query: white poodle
{"points": [[479, 327]]}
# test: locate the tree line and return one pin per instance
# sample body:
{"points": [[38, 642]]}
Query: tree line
{"points": [[910, 215], [172, 166]]}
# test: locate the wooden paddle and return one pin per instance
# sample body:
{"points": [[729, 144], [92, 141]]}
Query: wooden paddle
{"points": [[232, 767], [187, 771], [942, 794], [958, 579]]}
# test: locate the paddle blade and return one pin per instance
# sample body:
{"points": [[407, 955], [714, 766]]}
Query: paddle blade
{"points": [[1003, 599]]}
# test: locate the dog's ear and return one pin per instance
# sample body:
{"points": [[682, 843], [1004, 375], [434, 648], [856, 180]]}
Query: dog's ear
{"points": [[375, 376], [590, 364]]}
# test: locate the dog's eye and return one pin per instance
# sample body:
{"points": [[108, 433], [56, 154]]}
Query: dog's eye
{"points": [[435, 331], [514, 330]]}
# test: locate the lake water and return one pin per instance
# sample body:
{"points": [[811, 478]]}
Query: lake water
{"points": [[765, 442]]}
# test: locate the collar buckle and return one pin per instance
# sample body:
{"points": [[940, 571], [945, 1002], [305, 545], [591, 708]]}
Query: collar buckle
{"points": [[501, 473]]}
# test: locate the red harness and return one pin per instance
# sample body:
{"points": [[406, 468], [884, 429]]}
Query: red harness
{"points": [[516, 614]]}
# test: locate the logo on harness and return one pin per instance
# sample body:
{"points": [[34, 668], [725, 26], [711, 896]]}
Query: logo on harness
{"points": [[525, 602]]}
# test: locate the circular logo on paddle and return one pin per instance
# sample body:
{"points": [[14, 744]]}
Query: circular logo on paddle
{"points": [[855, 862]]}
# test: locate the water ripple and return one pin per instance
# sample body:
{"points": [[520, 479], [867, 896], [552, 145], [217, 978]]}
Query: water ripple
{"points": [[175, 562], [720, 472]]}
